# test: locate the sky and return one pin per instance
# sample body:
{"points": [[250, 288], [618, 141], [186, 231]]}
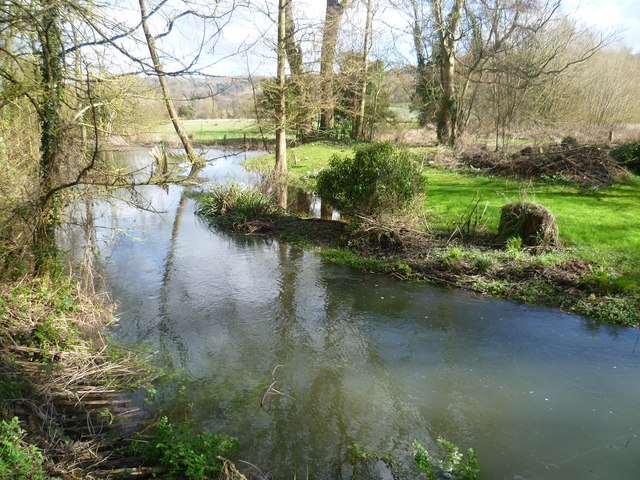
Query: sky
{"points": [[251, 30], [622, 16]]}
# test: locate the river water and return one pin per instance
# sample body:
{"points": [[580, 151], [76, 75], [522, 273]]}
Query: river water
{"points": [[360, 358]]}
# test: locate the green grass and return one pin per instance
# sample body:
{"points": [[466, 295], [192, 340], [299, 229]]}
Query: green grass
{"points": [[206, 131], [234, 206], [600, 225], [303, 162]]}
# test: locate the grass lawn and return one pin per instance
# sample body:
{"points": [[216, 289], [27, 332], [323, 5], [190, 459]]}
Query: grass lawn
{"points": [[600, 225], [302, 161], [205, 131]]}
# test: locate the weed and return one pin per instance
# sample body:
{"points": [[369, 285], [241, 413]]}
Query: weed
{"points": [[496, 288], [18, 460], [513, 245], [183, 453], [483, 263], [453, 464], [557, 179], [616, 311], [536, 290], [297, 239], [346, 257], [38, 313], [548, 259], [12, 387], [233, 206], [452, 256], [628, 155], [606, 282], [569, 142]]}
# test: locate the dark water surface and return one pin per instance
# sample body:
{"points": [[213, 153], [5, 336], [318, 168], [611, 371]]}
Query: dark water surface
{"points": [[363, 358]]}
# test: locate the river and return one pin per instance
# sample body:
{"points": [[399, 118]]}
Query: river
{"points": [[357, 357]]}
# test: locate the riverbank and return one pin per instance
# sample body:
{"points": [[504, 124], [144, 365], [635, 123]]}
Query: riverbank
{"points": [[595, 274], [67, 408], [64, 403]]}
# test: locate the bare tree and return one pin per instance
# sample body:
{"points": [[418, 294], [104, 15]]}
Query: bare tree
{"points": [[333, 16], [465, 43], [447, 31], [358, 121], [281, 118], [166, 94], [301, 84]]}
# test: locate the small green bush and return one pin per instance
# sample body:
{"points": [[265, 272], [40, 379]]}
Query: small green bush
{"points": [[18, 460], [628, 155], [606, 282], [453, 464], [569, 142], [513, 245], [483, 263], [379, 177], [184, 453], [617, 311], [452, 256], [346, 257]]}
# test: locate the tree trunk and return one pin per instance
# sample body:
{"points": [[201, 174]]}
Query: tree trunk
{"points": [[52, 87], [358, 122], [281, 139], [447, 32], [333, 16], [302, 118], [166, 95]]}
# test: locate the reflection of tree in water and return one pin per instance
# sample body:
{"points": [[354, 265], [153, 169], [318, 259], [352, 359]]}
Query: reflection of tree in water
{"points": [[326, 211], [337, 376], [165, 322]]}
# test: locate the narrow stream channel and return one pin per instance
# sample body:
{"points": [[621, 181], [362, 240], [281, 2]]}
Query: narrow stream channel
{"points": [[362, 358]]}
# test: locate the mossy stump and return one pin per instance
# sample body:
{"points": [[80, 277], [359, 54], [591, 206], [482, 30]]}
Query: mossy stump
{"points": [[532, 222]]}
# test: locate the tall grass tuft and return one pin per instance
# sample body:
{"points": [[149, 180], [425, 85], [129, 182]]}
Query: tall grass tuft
{"points": [[236, 206]]}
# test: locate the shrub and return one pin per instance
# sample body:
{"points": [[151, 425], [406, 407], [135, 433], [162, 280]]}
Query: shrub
{"points": [[18, 460], [379, 177], [628, 155], [453, 464], [483, 263], [452, 256], [617, 311], [513, 245], [569, 142], [184, 453]]}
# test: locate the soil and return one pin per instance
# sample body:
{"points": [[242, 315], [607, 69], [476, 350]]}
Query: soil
{"points": [[586, 165]]}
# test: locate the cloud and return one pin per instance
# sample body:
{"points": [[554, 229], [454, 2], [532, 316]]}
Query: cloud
{"points": [[622, 17]]}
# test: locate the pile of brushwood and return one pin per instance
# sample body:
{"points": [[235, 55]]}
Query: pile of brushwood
{"points": [[586, 165]]}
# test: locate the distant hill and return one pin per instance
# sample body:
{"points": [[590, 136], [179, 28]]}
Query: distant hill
{"points": [[209, 97]]}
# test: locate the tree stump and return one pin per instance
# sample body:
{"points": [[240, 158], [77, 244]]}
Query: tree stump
{"points": [[532, 222]]}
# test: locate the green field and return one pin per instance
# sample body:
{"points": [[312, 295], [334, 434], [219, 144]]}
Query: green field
{"points": [[601, 225], [302, 162], [215, 130], [598, 225]]}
